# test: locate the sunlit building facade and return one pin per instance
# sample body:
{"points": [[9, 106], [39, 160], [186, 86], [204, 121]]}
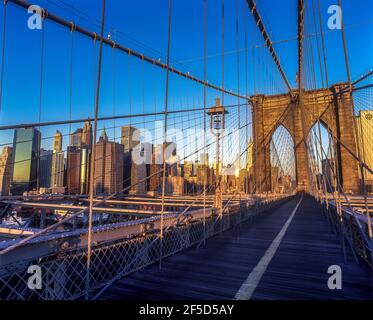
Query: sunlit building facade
{"points": [[26, 144], [5, 170], [58, 162], [108, 173], [45, 168], [365, 140], [78, 158]]}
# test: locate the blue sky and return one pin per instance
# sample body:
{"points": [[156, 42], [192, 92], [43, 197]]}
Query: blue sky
{"points": [[146, 21]]}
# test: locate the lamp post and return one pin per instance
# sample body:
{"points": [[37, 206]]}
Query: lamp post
{"points": [[217, 125]]}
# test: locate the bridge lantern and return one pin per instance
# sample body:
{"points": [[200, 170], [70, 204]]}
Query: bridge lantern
{"points": [[217, 116], [217, 124]]}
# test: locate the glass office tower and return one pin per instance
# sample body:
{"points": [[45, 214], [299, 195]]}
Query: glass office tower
{"points": [[26, 144]]}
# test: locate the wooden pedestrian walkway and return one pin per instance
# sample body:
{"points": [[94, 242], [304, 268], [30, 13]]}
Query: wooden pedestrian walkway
{"points": [[295, 268]]}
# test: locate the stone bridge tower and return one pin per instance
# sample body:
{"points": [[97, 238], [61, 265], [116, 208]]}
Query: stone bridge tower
{"points": [[336, 113]]}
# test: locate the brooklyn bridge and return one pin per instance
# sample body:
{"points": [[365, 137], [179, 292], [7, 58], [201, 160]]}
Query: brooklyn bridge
{"points": [[175, 150]]}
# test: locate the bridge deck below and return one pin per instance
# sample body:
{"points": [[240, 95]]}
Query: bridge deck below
{"points": [[298, 269]]}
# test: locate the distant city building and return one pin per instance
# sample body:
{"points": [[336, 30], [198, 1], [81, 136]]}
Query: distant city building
{"points": [[82, 137], [78, 160], [204, 159], [243, 180], [77, 170], [155, 170], [57, 141], [76, 138], [5, 170], [170, 152], [74, 158], [87, 134], [45, 168], [229, 183], [327, 173], [174, 185], [188, 169], [127, 138], [172, 169], [138, 173], [108, 174], [26, 144], [203, 173], [128, 145], [58, 162], [127, 163], [365, 140]]}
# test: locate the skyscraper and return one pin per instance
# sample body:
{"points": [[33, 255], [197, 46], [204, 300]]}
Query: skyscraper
{"points": [[78, 158], [138, 173], [76, 138], [74, 158], [205, 159], [77, 170], [108, 174], [188, 169], [155, 170], [127, 138], [57, 141], [26, 144], [45, 168], [327, 172], [128, 145], [57, 175], [5, 170], [203, 175], [87, 134]]}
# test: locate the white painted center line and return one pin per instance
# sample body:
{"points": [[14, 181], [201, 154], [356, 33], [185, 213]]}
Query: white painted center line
{"points": [[248, 287]]}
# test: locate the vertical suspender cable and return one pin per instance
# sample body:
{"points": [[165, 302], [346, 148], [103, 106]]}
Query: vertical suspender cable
{"points": [[165, 129], [238, 100], [93, 155], [317, 44], [322, 181], [204, 116], [71, 85], [323, 44], [40, 96], [3, 54], [71, 77], [113, 65], [246, 104], [220, 168]]}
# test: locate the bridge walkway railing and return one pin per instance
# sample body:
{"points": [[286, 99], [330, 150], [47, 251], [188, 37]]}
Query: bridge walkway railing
{"points": [[352, 227], [64, 273]]}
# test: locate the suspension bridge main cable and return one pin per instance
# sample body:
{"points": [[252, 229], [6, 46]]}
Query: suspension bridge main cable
{"points": [[129, 51], [268, 42]]}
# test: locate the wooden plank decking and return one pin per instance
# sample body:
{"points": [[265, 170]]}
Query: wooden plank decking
{"points": [[298, 269]]}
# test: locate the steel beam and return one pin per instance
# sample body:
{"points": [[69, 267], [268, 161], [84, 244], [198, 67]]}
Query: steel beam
{"points": [[122, 211]]}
